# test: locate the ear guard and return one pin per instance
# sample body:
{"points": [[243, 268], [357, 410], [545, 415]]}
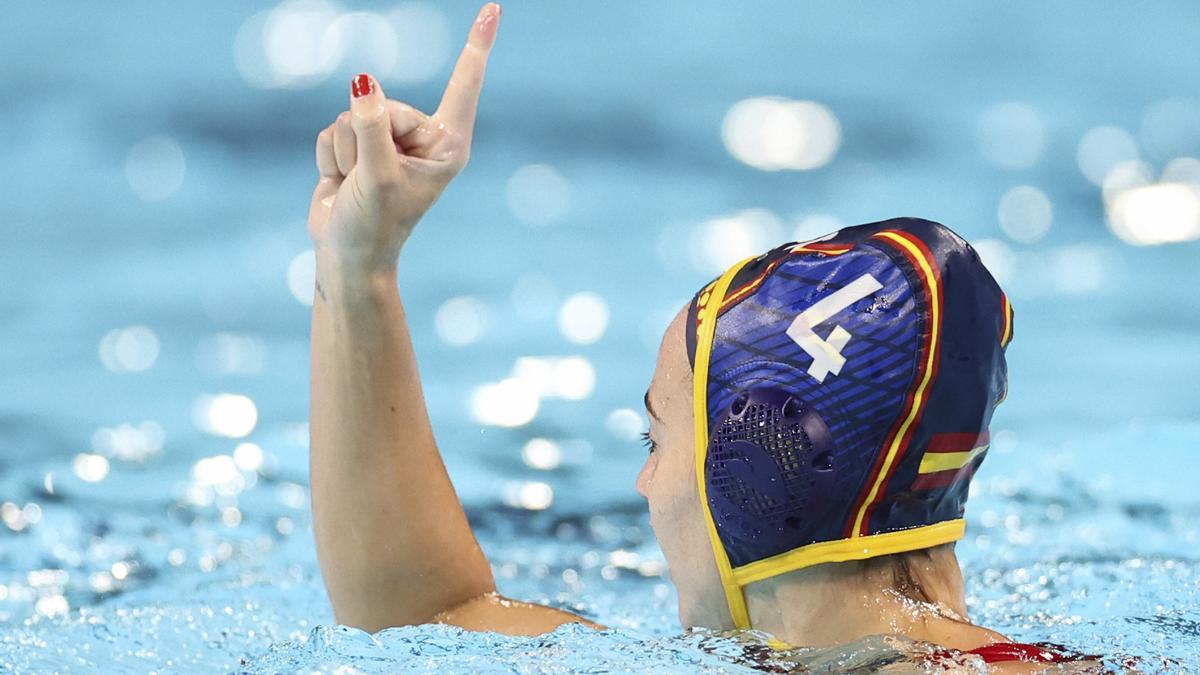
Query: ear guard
{"points": [[769, 468]]}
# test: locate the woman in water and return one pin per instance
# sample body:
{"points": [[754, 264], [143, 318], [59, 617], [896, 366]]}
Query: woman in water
{"points": [[805, 483]]}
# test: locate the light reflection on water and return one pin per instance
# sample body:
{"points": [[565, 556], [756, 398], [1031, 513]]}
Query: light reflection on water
{"points": [[154, 508]]}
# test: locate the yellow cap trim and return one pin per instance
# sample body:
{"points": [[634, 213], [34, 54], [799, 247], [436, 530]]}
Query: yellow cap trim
{"points": [[706, 320], [858, 548], [829, 251], [778, 645], [1006, 336], [933, 462]]}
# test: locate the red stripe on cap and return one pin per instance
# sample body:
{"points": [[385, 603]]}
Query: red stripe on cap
{"points": [[828, 246], [956, 442], [749, 287]]}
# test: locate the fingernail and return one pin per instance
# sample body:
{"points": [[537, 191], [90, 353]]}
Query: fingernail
{"points": [[490, 11], [361, 85]]}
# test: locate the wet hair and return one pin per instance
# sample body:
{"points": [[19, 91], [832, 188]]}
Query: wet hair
{"points": [[904, 580]]}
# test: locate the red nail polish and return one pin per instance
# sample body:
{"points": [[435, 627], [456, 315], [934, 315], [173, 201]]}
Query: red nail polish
{"points": [[361, 85]]}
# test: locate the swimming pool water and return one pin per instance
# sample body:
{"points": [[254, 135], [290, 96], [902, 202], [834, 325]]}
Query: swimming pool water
{"points": [[134, 540]]}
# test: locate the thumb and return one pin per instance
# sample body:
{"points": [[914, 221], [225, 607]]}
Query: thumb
{"points": [[372, 130]]}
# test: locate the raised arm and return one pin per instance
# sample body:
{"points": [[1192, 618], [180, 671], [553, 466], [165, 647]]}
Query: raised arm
{"points": [[393, 542]]}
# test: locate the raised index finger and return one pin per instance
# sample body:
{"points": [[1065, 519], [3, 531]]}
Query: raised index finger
{"points": [[461, 97]]}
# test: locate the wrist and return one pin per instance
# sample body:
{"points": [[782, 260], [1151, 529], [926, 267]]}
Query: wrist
{"points": [[341, 279]]}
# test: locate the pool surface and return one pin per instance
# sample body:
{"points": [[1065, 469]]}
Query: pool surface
{"points": [[157, 274]]}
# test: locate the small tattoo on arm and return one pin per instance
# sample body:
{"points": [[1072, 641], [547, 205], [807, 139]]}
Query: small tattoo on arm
{"points": [[321, 291]]}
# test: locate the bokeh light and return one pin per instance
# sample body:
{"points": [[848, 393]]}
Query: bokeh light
{"points": [[461, 320], [13, 516], [302, 276], [537, 194], [574, 378], [17, 518], [292, 495], [226, 353], [1143, 212], [626, 424], [1156, 214], [537, 372], [248, 456], [1182, 170], [1025, 214], [541, 453], [229, 415], [583, 317], [423, 41], [52, 605], [365, 39], [301, 43], [531, 495], [249, 56], [284, 46], [219, 472], [154, 168], [231, 516], [292, 39], [773, 133], [128, 442], [568, 377], [511, 402], [720, 242], [813, 226], [1126, 176], [90, 467], [129, 350]]}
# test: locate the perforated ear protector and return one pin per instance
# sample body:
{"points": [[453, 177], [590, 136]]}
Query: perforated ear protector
{"points": [[769, 467]]}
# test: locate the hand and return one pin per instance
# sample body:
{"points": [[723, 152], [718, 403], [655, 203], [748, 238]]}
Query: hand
{"points": [[383, 163]]}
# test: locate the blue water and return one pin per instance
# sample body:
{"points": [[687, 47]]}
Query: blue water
{"points": [[1082, 522]]}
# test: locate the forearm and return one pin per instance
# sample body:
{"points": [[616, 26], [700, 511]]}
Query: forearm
{"points": [[393, 542]]}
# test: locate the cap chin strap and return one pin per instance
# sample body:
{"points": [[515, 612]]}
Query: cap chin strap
{"points": [[706, 318]]}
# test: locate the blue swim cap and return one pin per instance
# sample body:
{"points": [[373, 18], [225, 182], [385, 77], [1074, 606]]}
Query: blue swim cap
{"points": [[843, 389]]}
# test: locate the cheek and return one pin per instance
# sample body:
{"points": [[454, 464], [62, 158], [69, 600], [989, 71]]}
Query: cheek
{"points": [[678, 521], [671, 499]]}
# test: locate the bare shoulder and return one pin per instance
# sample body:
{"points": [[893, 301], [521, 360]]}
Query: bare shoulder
{"points": [[494, 612]]}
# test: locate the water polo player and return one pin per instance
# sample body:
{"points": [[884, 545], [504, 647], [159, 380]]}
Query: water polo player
{"points": [[817, 412]]}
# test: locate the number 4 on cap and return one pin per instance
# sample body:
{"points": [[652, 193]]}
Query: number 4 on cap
{"points": [[827, 354]]}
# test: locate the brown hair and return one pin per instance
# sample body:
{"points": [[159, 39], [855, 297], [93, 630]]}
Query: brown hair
{"points": [[901, 566]]}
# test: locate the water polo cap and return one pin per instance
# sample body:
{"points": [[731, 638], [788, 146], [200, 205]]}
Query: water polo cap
{"points": [[843, 389]]}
